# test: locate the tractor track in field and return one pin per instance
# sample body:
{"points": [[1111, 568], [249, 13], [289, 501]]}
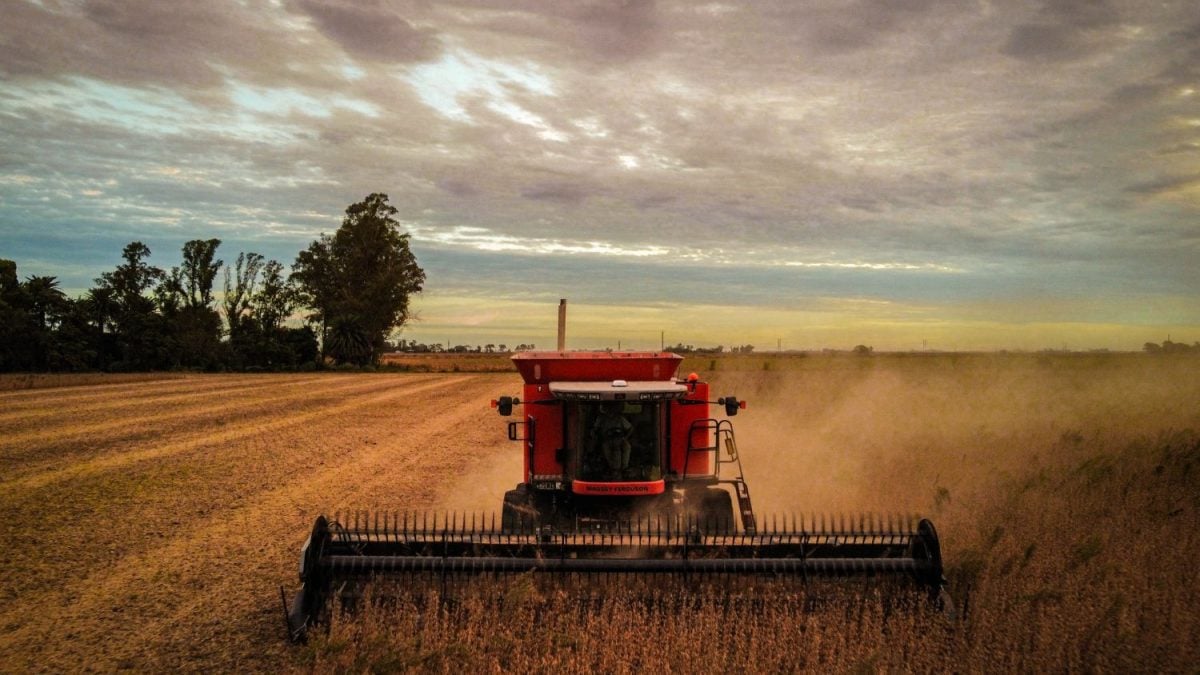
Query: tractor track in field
{"points": [[195, 575], [67, 501], [68, 423], [31, 458], [35, 398], [15, 418]]}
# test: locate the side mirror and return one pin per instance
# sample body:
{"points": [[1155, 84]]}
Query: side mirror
{"points": [[504, 405], [732, 405]]}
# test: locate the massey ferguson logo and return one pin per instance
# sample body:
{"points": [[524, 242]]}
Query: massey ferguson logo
{"points": [[619, 489]]}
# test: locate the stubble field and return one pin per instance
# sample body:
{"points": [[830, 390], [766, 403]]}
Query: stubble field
{"points": [[149, 524]]}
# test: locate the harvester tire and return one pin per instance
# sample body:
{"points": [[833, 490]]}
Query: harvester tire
{"points": [[715, 512], [517, 513]]}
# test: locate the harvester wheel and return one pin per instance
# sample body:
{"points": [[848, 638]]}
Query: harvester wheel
{"points": [[714, 512], [517, 515]]}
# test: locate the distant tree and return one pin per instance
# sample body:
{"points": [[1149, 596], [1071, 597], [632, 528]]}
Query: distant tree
{"points": [[133, 280], [141, 338], [240, 287], [863, 350], [8, 278], [75, 345], [318, 285], [16, 352], [100, 307], [169, 294], [258, 300], [200, 271], [45, 303], [1152, 348], [1169, 347], [275, 299], [359, 281], [45, 299], [193, 322]]}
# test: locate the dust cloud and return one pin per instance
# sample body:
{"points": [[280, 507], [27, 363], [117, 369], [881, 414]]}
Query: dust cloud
{"points": [[498, 468], [915, 434]]}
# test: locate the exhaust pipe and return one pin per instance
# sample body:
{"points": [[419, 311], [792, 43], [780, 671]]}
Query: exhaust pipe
{"points": [[562, 325]]}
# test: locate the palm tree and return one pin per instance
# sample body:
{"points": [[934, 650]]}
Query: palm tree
{"points": [[100, 304], [44, 297], [348, 342]]}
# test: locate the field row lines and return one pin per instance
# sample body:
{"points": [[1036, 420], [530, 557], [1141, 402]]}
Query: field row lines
{"points": [[246, 428], [239, 554], [29, 411], [85, 428]]}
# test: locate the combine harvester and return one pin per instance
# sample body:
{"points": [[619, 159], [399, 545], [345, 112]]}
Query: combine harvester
{"points": [[626, 471]]}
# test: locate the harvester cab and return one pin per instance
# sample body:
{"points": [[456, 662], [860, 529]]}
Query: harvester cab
{"points": [[625, 471]]}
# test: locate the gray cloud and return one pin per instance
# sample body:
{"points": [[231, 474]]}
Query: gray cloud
{"points": [[1166, 184], [1064, 30], [729, 136], [371, 30], [563, 193]]}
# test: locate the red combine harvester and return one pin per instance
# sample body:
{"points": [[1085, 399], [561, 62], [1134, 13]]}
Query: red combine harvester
{"points": [[612, 437], [625, 470]]}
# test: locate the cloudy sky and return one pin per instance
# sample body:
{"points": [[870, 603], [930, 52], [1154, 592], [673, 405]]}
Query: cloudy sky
{"points": [[969, 175]]}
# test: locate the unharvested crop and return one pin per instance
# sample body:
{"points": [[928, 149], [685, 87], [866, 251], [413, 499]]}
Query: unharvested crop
{"points": [[1065, 490]]}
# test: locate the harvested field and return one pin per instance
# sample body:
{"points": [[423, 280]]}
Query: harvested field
{"points": [[150, 524]]}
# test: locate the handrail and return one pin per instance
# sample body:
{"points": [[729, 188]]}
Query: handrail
{"points": [[723, 430]]}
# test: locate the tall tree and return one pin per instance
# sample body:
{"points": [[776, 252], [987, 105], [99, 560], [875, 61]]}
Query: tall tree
{"points": [[258, 300], [16, 349], [317, 285], [133, 279], [360, 280], [141, 335], [169, 294], [200, 270], [45, 298], [240, 287], [194, 325], [275, 299], [100, 307], [46, 303]]}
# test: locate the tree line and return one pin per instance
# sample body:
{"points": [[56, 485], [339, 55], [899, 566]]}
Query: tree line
{"points": [[1168, 347], [680, 348], [414, 347], [348, 290]]}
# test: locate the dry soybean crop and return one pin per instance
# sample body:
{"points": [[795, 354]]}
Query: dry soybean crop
{"points": [[148, 525]]}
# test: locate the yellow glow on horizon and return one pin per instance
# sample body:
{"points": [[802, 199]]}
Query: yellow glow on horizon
{"points": [[830, 323]]}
